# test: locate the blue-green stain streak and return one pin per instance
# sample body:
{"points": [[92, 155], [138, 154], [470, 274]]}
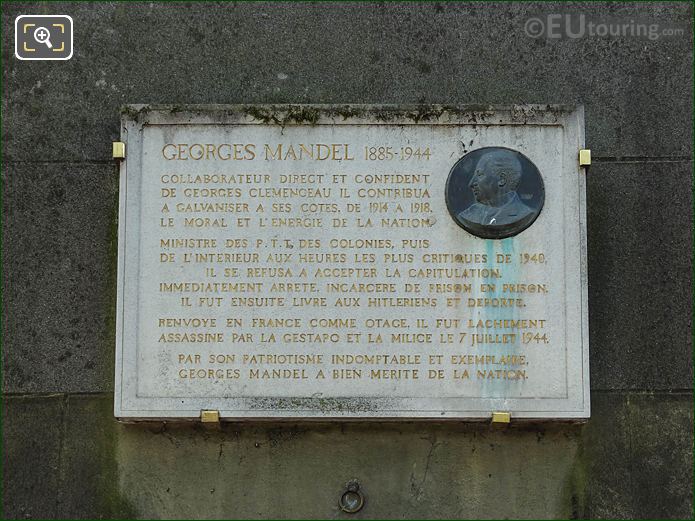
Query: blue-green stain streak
{"points": [[510, 274]]}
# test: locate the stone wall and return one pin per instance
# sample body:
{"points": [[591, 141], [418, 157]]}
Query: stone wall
{"points": [[65, 455]]}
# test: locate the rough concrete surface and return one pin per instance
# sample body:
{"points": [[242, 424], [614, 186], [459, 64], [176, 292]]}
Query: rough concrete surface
{"points": [[640, 244], [63, 453], [59, 288], [632, 459], [339, 53]]}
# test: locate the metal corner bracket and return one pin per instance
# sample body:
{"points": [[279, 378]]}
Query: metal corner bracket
{"points": [[209, 416], [501, 417], [118, 150]]}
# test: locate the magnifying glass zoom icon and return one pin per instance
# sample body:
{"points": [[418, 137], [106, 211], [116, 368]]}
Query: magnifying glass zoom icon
{"points": [[42, 35]]}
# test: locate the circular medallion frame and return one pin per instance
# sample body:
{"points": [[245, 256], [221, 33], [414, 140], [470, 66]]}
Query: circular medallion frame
{"points": [[494, 192]]}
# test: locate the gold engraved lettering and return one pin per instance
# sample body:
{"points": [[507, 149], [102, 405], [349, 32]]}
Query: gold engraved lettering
{"points": [[304, 273]]}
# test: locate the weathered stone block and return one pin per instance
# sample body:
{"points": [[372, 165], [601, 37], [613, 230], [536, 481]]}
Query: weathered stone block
{"points": [[412, 470], [640, 242], [59, 277], [416, 53], [637, 457], [32, 435]]}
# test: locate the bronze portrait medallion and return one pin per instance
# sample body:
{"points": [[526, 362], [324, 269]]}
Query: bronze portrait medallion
{"points": [[494, 192]]}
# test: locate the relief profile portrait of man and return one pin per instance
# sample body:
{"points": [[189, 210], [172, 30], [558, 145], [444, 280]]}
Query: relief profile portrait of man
{"points": [[494, 192]]}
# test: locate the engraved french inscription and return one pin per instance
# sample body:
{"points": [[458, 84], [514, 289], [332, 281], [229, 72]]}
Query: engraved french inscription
{"points": [[352, 262]]}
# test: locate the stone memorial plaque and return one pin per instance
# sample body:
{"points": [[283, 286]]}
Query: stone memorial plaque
{"points": [[352, 262]]}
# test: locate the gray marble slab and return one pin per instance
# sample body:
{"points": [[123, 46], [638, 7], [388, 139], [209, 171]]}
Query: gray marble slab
{"points": [[301, 262]]}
